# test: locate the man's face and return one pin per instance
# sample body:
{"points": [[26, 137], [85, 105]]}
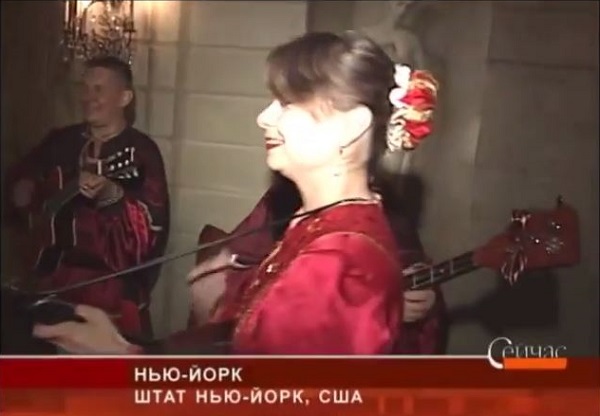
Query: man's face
{"points": [[104, 96]]}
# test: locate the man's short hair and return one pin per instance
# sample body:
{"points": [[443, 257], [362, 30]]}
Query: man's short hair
{"points": [[119, 67]]}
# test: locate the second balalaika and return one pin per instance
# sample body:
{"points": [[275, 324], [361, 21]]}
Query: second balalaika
{"points": [[50, 220]]}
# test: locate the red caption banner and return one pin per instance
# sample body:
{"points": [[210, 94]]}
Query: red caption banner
{"points": [[307, 386]]}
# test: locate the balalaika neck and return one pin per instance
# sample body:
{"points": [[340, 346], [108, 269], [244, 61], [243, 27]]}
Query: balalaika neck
{"points": [[441, 272]]}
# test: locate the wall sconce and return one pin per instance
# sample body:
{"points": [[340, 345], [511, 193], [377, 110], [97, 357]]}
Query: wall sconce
{"points": [[98, 28]]}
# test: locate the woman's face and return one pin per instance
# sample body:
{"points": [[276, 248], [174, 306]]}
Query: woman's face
{"points": [[300, 139]]}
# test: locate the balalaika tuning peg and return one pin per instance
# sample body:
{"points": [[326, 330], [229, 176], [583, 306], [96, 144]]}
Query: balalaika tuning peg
{"points": [[520, 217]]}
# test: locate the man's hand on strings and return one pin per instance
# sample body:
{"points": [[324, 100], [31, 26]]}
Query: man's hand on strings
{"points": [[98, 335], [91, 185], [417, 304], [97, 187]]}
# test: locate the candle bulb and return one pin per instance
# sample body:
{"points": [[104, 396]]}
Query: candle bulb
{"points": [[66, 13]]}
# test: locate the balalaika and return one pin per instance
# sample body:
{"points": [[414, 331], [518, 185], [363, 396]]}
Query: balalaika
{"points": [[50, 221]]}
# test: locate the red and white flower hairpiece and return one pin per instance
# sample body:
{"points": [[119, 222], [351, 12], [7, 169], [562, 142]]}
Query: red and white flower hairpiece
{"points": [[414, 99]]}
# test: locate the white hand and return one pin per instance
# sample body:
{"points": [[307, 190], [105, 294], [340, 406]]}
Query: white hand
{"points": [[417, 304], [97, 335]]}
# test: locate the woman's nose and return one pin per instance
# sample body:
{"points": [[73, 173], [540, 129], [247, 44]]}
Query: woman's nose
{"points": [[269, 116]]}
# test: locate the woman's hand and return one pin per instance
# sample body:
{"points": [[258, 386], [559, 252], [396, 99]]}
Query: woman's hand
{"points": [[214, 264], [98, 335], [206, 279]]}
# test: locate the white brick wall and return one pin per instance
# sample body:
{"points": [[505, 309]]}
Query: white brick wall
{"points": [[246, 24], [208, 119]]}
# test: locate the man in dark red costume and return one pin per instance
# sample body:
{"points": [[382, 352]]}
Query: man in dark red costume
{"points": [[116, 224]]}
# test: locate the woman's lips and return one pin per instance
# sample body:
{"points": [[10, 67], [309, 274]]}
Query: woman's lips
{"points": [[272, 143]]}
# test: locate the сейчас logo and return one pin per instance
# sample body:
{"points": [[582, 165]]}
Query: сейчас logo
{"points": [[504, 354]]}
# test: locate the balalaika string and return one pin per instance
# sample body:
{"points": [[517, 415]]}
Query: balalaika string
{"points": [[171, 257]]}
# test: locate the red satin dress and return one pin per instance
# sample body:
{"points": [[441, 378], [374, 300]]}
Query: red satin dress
{"points": [[422, 337], [329, 286], [108, 239]]}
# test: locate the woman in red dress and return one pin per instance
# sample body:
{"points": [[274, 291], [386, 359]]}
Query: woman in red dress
{"points": [[423, 326], [330, 285]]}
